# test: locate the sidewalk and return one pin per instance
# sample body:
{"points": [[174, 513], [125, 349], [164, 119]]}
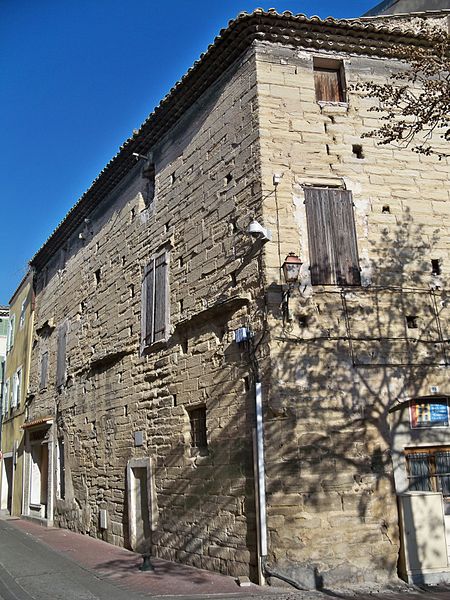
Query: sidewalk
{"points": [[121, 566]]}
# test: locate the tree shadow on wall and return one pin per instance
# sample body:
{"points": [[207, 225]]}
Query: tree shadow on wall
{"points": [[346, 358]]}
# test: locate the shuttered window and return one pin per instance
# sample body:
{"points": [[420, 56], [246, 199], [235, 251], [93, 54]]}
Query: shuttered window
{"points": [[61, 355], [329, 80], [155, 301], [44, 370], [333, 248]]}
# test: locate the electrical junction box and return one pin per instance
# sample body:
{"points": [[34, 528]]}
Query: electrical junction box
{"points": [[103, 518]]}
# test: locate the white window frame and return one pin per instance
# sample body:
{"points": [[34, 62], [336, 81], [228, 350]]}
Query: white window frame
{"points": [[22, 314], [11, 333], [5, 398], [17, 388]]}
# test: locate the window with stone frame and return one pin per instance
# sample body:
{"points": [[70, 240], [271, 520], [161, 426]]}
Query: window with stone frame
{"points": [[155, 309], [429, 469], [329, 80], [149, 181], [197, 421], [44, 371], [333, 248], [61, 355]]}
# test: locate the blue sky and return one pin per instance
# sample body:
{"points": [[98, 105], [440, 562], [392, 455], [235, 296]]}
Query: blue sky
{"points": [[77, 77]]}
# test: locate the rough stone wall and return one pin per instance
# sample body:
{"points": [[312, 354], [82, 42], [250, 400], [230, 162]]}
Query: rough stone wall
{"points": [[207, 174], [346, 354]]}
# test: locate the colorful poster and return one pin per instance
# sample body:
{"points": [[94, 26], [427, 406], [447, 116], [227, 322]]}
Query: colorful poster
{"points": [[429, 414]]}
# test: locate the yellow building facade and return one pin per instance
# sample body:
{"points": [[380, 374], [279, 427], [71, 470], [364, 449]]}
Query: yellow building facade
{"points": [[14, 395]]}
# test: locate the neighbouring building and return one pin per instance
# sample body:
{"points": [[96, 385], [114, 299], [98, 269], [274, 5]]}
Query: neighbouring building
{"points": [[18, 351], [406, 7], [4, 320], [165, 333]]}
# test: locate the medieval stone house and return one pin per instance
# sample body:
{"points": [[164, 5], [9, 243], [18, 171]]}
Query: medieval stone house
{"points": [[162, 327]]}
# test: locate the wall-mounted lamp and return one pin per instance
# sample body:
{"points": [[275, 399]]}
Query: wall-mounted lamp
{"points": [[291, 268], [257, 231]]}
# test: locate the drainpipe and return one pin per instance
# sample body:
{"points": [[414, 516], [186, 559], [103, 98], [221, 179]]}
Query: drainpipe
{"points": [[260, 483]]}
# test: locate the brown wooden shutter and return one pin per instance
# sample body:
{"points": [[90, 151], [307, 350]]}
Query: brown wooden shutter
{"points": [[319, 236], [160, 325], [61, 355], [155, 308], [346, 263], [328, 84], [332, 239], [44, 369], [148, 287]]}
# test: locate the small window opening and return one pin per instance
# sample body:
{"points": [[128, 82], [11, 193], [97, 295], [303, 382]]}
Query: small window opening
{"points": [[125, 410], [131, 290], [358, 151], [246, 383], [173, 178], [132, 214], [180, 262], [130, 330], [412, 322], [435, 266], [174, 399], [184, 344], [386, 209], [329, 80], [180, 305], [123, 261], [233, 279], [303, 321], [197, 420], [166, 227], [97, 275], [150, 183], [228, 178], [119, 377]]}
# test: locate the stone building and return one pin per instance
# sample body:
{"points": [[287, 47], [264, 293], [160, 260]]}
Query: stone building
{"points": [[164, 324]]}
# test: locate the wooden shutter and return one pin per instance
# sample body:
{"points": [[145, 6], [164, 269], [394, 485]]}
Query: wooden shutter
{"points": [[44, 369], [160, 314], [346, 263], [319, 236], [332, 240], [155, 310], [148, 287], [328, 84], [61, 355]]}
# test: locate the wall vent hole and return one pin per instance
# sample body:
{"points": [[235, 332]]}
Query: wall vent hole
{"points": [[435, 266], [412, 322], [357, 150]]}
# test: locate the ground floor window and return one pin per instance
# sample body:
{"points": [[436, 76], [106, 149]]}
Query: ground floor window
{"points": [[429, 469]]}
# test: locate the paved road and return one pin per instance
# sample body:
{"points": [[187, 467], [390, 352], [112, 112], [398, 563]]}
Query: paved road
{"points": [[31, 570]]}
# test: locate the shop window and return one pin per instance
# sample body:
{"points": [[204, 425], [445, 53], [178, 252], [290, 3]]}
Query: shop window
{"points": [[333, 248], [429, 469]]}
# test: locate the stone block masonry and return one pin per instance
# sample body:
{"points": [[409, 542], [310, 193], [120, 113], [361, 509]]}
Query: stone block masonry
{"points": [[148, 398]]}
